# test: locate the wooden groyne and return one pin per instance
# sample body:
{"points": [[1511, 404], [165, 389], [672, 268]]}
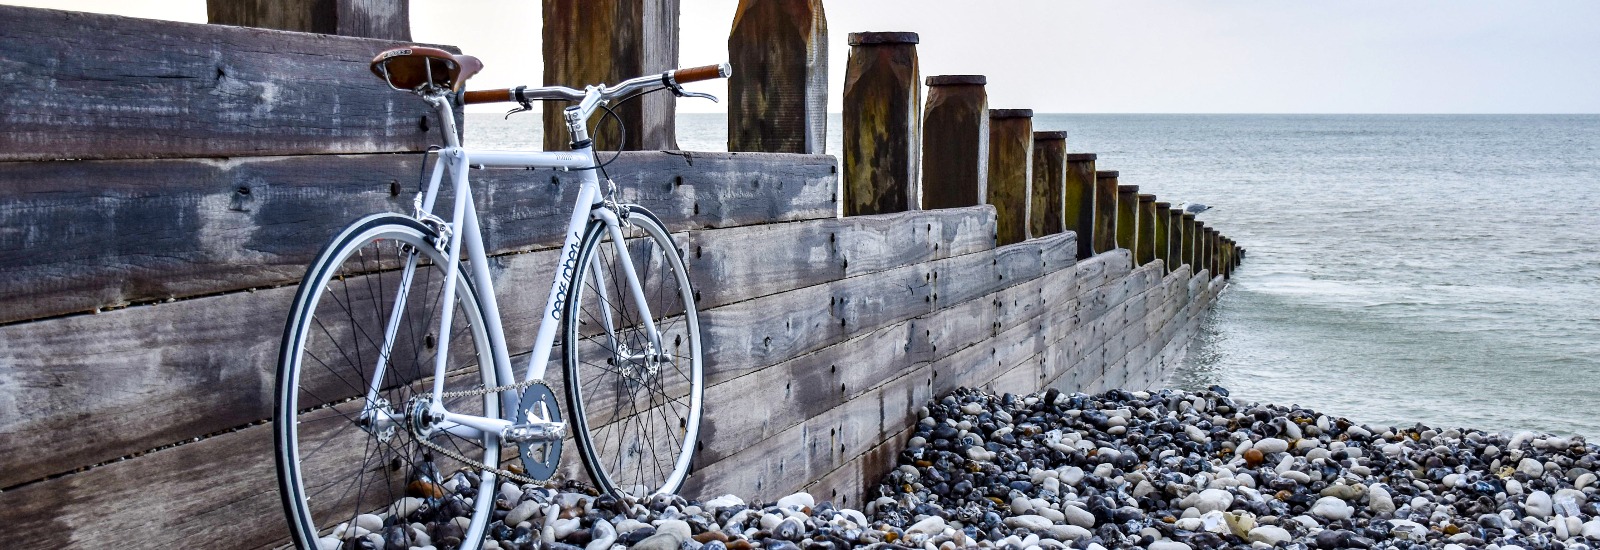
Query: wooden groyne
{"points": [[163, 185]]}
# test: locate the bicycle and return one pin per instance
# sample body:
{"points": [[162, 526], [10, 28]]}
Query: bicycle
{"points": [[394, 367]]}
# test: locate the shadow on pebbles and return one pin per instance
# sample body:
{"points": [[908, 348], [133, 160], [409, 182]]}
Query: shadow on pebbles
{"points": [[1167, 470]]}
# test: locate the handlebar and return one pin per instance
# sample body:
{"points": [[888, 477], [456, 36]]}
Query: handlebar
{"points": [[669, 79]]}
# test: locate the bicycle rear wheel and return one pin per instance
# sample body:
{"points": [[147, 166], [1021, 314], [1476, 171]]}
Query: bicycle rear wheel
{"points": [[635, 407], [345, 463]]}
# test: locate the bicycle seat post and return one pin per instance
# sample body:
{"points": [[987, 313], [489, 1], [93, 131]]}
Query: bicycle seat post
{"points": [[447, 117]]}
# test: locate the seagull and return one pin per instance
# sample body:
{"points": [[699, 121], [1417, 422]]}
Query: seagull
{"points": [[1194, 207]]}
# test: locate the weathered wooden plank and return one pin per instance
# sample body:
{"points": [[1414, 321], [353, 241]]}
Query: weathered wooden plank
{"points": [[755, 333], [187, 496], [385, 19], [754, 261], [77, 236], [851, 485], [687, 190], [787, 461], [882, 111], [588, 42], [90, 86], [778, 94], [802, 387]]}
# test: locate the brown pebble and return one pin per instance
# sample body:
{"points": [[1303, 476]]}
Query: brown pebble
{"points": [[740, 544], [709, 536], [1253, 457], [424, 489]]}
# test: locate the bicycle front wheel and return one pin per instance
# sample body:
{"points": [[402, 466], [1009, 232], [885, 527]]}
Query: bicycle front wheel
{"points": [[634, 399], [357, 364]]}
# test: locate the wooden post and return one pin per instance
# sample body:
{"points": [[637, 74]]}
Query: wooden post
{"points": [[1105, 211], [386, 19], [778, 94], [1163, 234], [1213, 256], [1049, 177], [1128, 218], [1188, 242], [1077, 200], [1227, 258], [1175, 238], [1010, 172], [1200, 246], [1145, 242], [882, 96], [955, 142], [590, 42]]}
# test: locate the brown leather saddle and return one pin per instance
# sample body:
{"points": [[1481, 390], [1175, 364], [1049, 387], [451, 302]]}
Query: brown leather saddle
{"points": [[416, 68]]}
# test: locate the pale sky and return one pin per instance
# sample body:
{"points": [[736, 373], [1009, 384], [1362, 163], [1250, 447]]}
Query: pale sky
{"points": [[1122, 56]]}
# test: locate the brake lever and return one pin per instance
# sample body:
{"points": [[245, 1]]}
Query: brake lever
{"points": [[680, 92], [522, 99]]}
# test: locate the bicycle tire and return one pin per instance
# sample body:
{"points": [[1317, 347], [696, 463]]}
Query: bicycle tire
{"points": [[323, 452], [605, 389]]}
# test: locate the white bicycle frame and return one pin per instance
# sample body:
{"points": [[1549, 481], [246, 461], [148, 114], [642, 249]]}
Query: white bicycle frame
{"points": [[465, 238]]}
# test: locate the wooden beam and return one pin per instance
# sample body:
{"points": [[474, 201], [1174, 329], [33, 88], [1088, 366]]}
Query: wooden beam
{"points": [[92, 86], [384, 19], [1010, 172], [882, 100], [955, 142], [1078, 200], [589, 42], [99, 234], [1045, 216], [778, 94]]}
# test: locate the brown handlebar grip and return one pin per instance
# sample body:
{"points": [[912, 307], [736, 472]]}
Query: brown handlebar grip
{"points": [[696, 74], [486, 96]]}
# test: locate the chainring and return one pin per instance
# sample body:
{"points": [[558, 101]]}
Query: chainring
{"points": [[540, 459]]}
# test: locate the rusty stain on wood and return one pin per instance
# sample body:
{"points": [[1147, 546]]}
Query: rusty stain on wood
{"points": [[1163, 234], [1047, 215], [882, 104], [1010, 172], [1145, 241], [1105, 211], [955, 142], [1078, 200], [1128, 218], [778, 94]]}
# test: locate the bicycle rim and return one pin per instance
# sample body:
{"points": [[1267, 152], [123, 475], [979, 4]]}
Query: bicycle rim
{"points": [[636, 419], [334, 467]]}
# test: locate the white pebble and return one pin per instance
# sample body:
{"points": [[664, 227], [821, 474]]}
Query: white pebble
{"points": [[1332, 508]]}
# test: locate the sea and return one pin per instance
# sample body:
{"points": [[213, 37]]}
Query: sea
{"points": [[1402, 269]]}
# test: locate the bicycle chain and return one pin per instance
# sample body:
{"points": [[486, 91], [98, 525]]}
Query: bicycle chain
{"points": [[473, 464]]}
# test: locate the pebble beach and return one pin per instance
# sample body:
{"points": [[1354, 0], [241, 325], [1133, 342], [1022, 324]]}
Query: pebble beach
{"points": [[1167, 470]]}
